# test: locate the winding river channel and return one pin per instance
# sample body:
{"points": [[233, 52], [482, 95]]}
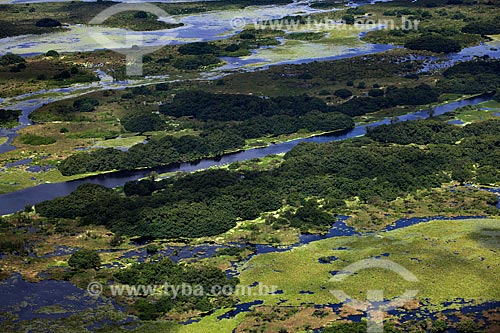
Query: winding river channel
{"points": [[15, 201]]}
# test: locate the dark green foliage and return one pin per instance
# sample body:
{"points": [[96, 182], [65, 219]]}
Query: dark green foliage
{"points": [[84, 259], [232, 48], [86, 200], [142, 122], [48, 23], [9, 117], [185, 220], [158, 151], [52, 53], [247, 35], [36, 140], [11, 59], [284, 124], [467, 326], [230, 251], [434, 43], [210, 202], [477, 76], [85, 104], [419, 95], [310, 215], [141, 90], [375, 92], [193, 62], [141, 15], [117, 240], [198, 48], [343, 93], [348, 19], [162, 86], [225, 107], [202, 279], [483, 27], [152, 248], [63, 75]]}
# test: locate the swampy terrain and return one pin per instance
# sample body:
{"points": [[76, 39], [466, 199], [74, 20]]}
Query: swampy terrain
{"points": [[274, 166]]}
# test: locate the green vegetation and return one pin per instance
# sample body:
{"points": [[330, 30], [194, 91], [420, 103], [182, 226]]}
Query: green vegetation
{"points": [[36, 140], [441, 247], [442, 26], [438, 44], [203, 278], [84, 259], [138, 21], [142, 122], [339, 174], [9, 118]]}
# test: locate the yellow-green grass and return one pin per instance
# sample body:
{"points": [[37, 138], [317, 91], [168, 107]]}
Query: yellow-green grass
{"points": [[14, 179], [481, 112], [125, 142], [490, 104], [3, 139], [453, 259]]}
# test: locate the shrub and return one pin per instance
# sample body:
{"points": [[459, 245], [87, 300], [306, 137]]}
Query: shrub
{"points": [[348, 19], [52, 53], [84, 259], [142, 122], [11, 59], [247, 35], [434, 43], [162, 86], [483, 28], [36, 140], [141, 15], [85, 104], [152, 248], [48, 23], [343, 93], [375, 93], [198, 48]]}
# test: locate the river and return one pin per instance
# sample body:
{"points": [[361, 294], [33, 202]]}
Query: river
{"points": [[15, 201]]}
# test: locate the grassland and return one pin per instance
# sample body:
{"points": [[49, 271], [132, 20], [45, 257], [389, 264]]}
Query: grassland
{"points": [[441, 18], [474, 113], [451, 260]]}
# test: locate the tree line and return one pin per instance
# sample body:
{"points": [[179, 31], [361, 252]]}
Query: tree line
{"points": [[379, 167]]}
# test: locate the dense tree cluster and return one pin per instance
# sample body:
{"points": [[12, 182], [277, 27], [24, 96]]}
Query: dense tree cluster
{"points": [[193, 62], [419, 95], [7, 117], [48, 23], [85, 104], [158, 151], [225, 107], [210, 202], [207, 280], [434, 43], [491, 27], [84, 259], [11, 59], [142, 122], [471, 77], [230, 119], [198, 48]]}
